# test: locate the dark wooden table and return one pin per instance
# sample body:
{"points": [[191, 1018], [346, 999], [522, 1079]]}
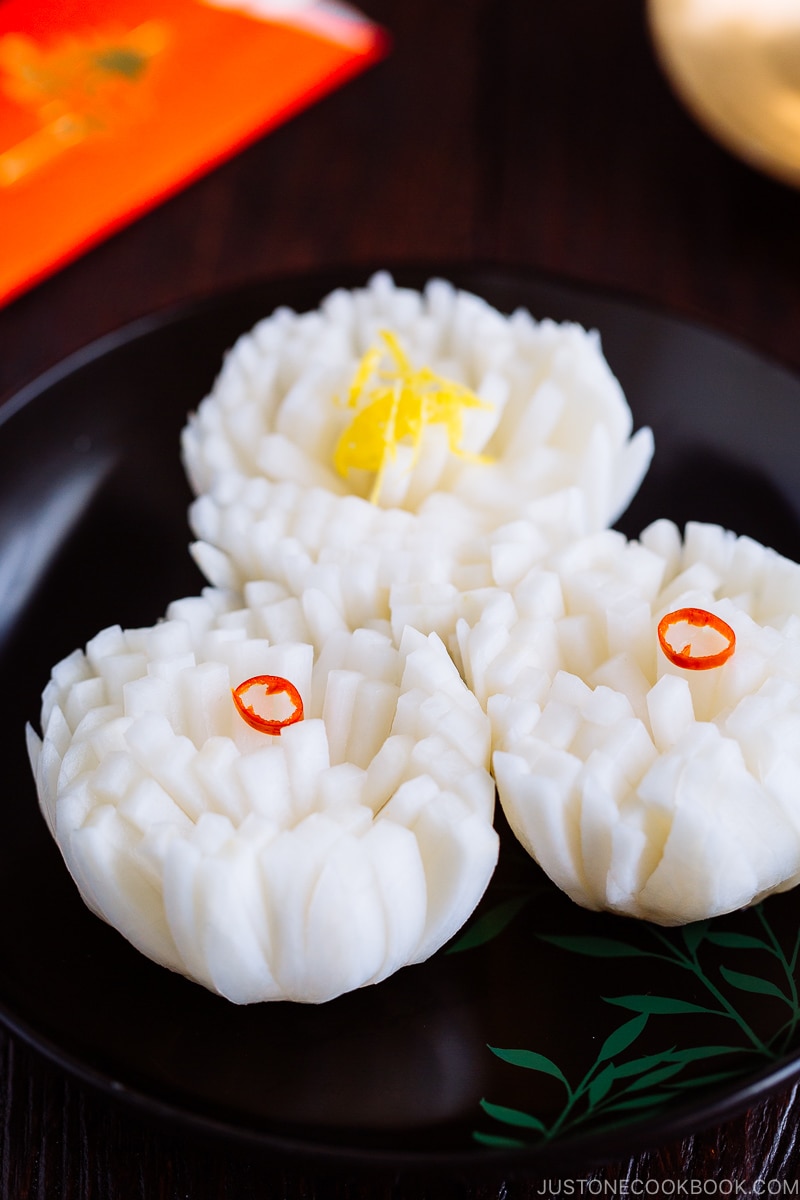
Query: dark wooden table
{"points": [[513, 132]]}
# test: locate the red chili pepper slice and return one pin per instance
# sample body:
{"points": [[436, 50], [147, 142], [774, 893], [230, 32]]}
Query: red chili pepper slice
{"points": [[700, 618], [273, 685]]}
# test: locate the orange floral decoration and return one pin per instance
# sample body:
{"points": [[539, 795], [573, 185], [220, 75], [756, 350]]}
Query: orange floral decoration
{"points": [[78, 87]]}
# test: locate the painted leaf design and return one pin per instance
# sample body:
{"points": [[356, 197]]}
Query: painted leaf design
{"points": [[795, 952], [594, 947], [512, 1116], [738, 941], [649, 1081], [751, 983], [531, 1061], [656, 1076], [707, 1080], [694, 934], [621, 1038], [639, 1102], [489, 925], [657, 1005], [497, 1140], [638, 1066], [601, 1086], [694, 1053]]}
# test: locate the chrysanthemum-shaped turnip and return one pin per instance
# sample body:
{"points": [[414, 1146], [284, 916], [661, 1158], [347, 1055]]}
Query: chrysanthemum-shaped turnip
{"points": [[297, 864], [643, 779], [392, 429]]}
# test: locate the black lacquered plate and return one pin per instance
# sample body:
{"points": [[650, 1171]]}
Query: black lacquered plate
{"points": [[544, 1031]]}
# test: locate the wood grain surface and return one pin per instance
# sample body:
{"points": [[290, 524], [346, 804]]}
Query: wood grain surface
{"points": [[529, 133]]}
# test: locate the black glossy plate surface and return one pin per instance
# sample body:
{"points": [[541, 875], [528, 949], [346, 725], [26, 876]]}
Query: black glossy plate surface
{"points": [[546, 1031]]}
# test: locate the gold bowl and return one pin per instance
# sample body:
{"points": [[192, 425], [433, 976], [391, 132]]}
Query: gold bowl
{"points": [[735, 64]]}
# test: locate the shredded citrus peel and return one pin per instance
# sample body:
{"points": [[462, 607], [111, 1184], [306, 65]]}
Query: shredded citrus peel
{"points": [[273, 685], [395, 404], [698, 618]]}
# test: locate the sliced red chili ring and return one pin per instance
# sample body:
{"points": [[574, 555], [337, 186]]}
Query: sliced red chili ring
{"points": [[273, 685], [699, 618]]}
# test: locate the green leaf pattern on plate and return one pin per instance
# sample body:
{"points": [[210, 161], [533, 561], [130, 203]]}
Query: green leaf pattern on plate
{"points": [[622, 1084]]}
